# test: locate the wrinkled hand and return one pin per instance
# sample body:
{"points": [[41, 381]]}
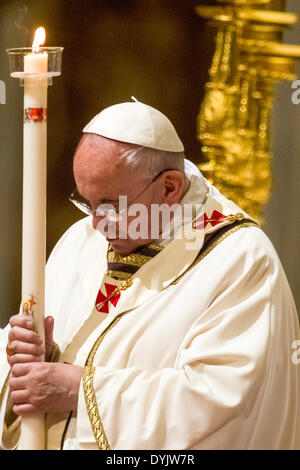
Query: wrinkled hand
{"points": [[28, 344], [44, 387]]}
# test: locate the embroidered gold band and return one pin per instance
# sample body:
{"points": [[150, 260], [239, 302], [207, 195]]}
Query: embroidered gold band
{"points": [[122, 267], [90, 395], [92, 408], [119, 275], [131, 260]]}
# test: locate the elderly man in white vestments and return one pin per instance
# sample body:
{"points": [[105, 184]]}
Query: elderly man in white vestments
{"points": [[177, 334]]}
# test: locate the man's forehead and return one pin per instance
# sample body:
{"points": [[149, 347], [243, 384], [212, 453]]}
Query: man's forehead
{"points": [[93, 144], [99, 156], [99, 169]]}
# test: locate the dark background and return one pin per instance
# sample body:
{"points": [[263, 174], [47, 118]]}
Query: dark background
{"points": [[160, 52]]}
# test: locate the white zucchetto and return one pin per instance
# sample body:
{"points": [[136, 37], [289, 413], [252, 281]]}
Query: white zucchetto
{"points": [[136, 123]]}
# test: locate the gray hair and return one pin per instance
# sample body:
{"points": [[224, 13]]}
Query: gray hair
{"points": [[144, 161], [150, 162]]}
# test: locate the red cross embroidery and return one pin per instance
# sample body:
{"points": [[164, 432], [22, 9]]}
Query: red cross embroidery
{"points": [[104, 307], [202, 221]]}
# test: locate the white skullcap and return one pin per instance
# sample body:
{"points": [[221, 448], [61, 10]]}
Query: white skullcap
{"points": [[136, 123]]}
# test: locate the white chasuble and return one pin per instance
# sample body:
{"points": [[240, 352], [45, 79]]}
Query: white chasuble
{"points": [[194, 353]]}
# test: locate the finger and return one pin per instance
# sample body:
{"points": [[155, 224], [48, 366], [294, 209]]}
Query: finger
{"points": [[49, 326], [22, 321], [24, 409], [27, 348], [17, 383], [25, 335], [19, 370], [23, 359], [19, 396]]}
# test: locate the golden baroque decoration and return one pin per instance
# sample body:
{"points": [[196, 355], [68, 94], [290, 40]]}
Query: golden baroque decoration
{"points": [[234, 120]]}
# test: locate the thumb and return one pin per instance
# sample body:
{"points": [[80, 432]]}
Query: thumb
{"points": [[49, 326]]}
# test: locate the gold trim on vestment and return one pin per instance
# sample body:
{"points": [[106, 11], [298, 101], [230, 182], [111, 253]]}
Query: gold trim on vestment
{"points": [[89, 370], [155, 246], [92, 408], [116, 263], [119, 275], [90, 394], [132, 259]]}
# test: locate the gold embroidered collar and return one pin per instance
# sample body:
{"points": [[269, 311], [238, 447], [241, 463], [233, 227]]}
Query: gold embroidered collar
{"points": [[123, 267]]}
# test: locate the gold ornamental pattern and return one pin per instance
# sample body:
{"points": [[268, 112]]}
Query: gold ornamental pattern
{"points": [[233, 124]]}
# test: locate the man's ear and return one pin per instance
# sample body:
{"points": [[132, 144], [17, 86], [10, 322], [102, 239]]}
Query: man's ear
{"points": [[173, 187]]}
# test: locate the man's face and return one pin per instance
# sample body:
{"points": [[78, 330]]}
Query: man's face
{"points": [[101, 176]]}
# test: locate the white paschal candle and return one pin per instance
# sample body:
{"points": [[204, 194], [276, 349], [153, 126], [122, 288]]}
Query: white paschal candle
{"points": [[34, 215]]}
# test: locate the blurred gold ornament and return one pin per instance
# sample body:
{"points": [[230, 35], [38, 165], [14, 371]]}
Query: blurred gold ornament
{"points": [[234, 120]]}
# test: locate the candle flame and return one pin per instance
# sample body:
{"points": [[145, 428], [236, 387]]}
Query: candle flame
{"points": [[39, 39]]}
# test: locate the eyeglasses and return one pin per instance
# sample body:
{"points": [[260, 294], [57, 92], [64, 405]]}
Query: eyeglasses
{"points": [[106, 210]]}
